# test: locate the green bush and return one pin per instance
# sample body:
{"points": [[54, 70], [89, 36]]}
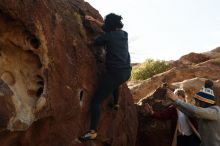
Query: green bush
{"points": [[148, 69]]}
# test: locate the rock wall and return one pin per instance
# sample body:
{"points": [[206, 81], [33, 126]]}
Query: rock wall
{"points": [[49, 71]]}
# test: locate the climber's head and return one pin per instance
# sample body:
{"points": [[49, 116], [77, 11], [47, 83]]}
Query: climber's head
{"points": [[112, 22]]}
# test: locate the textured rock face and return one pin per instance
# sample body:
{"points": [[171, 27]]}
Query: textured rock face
{"points": [[49, 72], [190, 59], [21, 69]]}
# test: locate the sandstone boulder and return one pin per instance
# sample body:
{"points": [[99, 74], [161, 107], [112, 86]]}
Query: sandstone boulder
{"points": [[49, 71]]}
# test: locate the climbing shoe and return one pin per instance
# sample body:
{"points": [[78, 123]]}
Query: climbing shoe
{"points": [[90, 135]]}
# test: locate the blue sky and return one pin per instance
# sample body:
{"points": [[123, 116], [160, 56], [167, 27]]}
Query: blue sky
{"points": [[166, 29]]}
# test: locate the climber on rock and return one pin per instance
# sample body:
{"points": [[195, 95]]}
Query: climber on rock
{"points": [[118, 67]]}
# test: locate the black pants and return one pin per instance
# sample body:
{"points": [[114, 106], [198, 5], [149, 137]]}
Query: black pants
{"points": [[192, 140], [108, 86]]}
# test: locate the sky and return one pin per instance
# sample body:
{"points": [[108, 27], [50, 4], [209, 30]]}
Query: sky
{"points": [[166, 29]]}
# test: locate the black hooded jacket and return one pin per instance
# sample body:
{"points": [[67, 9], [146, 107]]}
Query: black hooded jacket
{"points": [[117, 55]]}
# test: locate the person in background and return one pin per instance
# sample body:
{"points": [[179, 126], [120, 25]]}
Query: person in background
{"points": [[205, 110], [183, 128], [118, 67]]}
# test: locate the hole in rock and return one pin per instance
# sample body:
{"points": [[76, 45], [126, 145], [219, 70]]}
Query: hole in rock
{"points": [[81, 95], [35, 42], [39, 92]]}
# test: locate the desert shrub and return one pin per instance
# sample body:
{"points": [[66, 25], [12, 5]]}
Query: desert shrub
{"points": [[148, 69]]}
